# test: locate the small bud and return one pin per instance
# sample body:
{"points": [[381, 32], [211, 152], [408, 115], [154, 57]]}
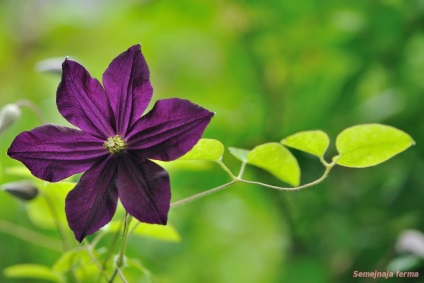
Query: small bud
{"points": [[23, 190], [9, 114], [51, 65]]}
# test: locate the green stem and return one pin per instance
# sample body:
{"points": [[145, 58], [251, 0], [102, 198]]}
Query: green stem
{"points": [[121, 274], [33, 107], [56, 220], [120, 260], [112, 245], [202, 194], [240, 174], [328, 167], [226, 169], [30, 236], [97, 239]]}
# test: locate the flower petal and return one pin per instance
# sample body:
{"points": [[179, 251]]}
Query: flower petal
{"points": [[53, 153], [144, 190], [127, 84], [169, 130], [83, 101], [92, 203]]}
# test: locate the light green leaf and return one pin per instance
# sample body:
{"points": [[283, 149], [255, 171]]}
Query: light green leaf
{"points": [[313, 142], [34, 271], [370, 144], [187, 165], [205, 149], [276, 159], [160, 232], [239, 153]]}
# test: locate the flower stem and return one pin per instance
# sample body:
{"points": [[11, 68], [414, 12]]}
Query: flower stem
{"points": [[120, 260], [33, 107]]}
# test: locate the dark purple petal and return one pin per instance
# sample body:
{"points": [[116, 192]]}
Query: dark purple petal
{"points": [[53, 153], [92, 203], [144, 190], [83, 101], [169, 130], [127, 84]]}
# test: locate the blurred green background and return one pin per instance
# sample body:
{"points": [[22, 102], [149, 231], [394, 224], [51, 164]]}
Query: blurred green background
{"points": [[268, 69]]}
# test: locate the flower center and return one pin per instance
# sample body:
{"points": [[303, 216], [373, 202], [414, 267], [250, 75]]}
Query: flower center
{"points": [[114, 144]]}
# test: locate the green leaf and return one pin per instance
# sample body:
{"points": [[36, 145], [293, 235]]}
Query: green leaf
{"points": [[19, 171], [160, 232], [39, 213], [136, 264], [205, 149], [239, 153], [34, 271], [404, 263], [79, 262], [276, 159], [370, 144], [70, 259], [313, 142]]}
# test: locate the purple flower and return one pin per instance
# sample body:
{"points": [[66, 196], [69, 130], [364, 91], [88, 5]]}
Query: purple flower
{"points": [[114, 144]]}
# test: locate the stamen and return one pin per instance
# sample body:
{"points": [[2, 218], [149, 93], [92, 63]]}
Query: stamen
{"points": [[115, 144]]}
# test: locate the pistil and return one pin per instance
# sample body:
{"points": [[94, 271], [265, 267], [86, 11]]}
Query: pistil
{"points": [[115, 144]]}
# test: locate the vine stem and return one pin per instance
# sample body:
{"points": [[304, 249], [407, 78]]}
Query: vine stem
{"points": [[202, 194], [240, 174], [227, 170], [120, 260], [328, 167], [238, 179]]}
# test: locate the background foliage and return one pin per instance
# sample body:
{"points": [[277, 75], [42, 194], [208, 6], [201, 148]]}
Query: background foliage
{"points": [[268, 69]]}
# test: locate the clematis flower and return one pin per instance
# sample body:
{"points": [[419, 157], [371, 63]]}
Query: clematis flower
{"points": [[113, 144]]}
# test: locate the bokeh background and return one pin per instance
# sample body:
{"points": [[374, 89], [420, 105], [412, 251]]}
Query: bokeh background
{"points": [[268, 69]]}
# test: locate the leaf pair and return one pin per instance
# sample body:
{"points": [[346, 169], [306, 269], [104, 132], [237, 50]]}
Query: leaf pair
{"points": [[358, 146]]}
